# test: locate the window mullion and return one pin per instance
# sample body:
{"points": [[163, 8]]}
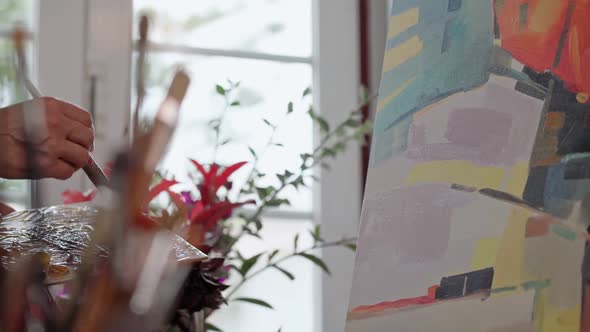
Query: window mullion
{"points": [[185, 49]]}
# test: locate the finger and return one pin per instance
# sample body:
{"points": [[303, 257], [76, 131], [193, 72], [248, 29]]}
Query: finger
{"points": [[72, 112], [61, 170], [73, 154], [83, 136], [77, 114]]}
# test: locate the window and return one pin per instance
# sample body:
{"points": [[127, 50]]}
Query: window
{"points": [[13, 193], [267, 47]]}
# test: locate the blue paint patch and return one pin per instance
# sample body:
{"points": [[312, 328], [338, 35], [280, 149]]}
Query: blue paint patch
{"points": [[454, 5], [561, 193], [393, 141], [457, 39]]}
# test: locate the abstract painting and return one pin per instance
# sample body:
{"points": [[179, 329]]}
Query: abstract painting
{"points": [[477, 198]]}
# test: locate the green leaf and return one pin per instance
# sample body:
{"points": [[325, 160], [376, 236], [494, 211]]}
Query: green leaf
{"points": [[315, 233], [248, 264], [290, 108], [279, 144], [350, 246], [273, 254], [363, 130], [264, 192], [317, 261], [254, 301], [252, 152], [211, 327], [352, 123], [299, 182], [324, 126], [225, 142], [258, 224], [220, 90], [296, 242], [329, 152], [276, 202], [268, 123], [235, 103], [286, 175], [307, 92], [285, 272]]}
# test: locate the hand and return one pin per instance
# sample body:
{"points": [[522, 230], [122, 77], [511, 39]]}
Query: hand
{"points": [[58, 152], [5, 209]]}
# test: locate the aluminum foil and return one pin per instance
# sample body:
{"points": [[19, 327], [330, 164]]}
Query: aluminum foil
{"points": [[63, 232]]}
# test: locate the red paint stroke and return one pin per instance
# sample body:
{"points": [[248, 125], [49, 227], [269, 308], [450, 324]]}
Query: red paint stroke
{"points": [[421, 300]]}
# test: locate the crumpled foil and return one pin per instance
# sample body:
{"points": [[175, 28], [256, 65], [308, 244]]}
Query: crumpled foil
{"points": [[63, 232]]}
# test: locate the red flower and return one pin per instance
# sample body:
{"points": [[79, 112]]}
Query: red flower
{"points": [[164, 185], [213, 180], [75, 196]]}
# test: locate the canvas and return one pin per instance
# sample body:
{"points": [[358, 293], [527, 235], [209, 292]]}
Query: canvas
{"points": [[477, 197]]}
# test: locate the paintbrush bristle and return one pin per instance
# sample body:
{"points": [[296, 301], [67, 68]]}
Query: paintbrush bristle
{"points": [[143, 28]]}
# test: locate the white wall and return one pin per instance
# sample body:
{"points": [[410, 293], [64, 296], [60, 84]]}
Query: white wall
{"points": [[60, 69], [339, 196]]}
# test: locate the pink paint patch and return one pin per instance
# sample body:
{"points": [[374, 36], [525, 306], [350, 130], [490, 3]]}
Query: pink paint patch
{"points": [[538, 226]]}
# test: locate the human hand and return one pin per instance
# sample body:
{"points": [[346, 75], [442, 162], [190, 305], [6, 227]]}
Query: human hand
{"points": [[58, 152], [5, 209]]}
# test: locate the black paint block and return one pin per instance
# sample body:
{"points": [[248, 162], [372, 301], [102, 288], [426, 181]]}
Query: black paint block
{"points": [[465, 284]]}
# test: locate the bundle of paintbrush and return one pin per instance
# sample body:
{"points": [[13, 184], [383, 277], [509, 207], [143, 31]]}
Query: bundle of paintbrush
{"points": [[103, 268]]}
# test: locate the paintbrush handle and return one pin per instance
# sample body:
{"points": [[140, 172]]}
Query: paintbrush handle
{"points": [[96, 174]]}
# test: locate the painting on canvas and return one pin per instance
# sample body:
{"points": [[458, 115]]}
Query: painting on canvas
{"points": [[478, 190]]}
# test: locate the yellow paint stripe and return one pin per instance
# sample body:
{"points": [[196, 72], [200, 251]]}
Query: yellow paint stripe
{"points": [[386, 100], [402, 53], [402, 22]]}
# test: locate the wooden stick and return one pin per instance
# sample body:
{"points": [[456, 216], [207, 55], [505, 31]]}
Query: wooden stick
{"points": [[140, 75]]}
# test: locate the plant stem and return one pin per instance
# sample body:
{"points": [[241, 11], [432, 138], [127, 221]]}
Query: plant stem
{"points": [[283, 259], [218, 130]]}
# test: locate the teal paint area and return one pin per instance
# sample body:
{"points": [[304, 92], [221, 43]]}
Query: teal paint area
{"points": [[561, 191], [504, 289], [563, 232], [536, 285], [457, 38]]}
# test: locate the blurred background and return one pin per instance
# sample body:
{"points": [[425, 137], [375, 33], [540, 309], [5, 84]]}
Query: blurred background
{"points": [[83, 51]]}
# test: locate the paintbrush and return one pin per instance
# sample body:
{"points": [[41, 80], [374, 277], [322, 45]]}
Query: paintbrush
{"points": [[140, 265], [92, 170], [140, 74], [151, 146]]}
